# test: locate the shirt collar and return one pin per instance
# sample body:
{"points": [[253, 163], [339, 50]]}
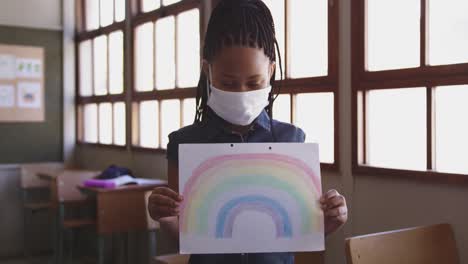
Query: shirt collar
{"points": [[217, 124]]}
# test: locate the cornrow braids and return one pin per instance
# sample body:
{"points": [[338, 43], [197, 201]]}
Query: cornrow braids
{"points": [[247, 23]]}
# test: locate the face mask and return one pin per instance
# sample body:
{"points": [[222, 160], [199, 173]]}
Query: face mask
{"points": [[238, 108]]}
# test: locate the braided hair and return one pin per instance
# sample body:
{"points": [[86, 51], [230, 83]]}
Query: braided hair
{"points": [[246, 23]]}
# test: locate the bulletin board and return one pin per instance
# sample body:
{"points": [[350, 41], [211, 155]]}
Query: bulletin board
{"points": [[21, 84]]}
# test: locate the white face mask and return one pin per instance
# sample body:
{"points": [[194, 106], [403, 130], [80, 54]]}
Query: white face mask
{"points": [[238, 108]]}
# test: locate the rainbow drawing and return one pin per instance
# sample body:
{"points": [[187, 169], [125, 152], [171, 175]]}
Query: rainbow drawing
{"points": [[222, 187]]}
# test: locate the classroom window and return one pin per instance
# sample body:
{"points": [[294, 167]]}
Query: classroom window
{"points": [[309, 62], [393, 44], [396, 128], [101, 13], [165, 54], [317, 121], [448, 36], [167, 69], [149, 124], [450, 129], [101, 106], [410, 78]]}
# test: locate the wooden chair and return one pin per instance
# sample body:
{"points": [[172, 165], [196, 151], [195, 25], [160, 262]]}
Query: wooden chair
{"points": [[421, 245], [29, 184], [172, 259], [67, 196], [152, 226]]}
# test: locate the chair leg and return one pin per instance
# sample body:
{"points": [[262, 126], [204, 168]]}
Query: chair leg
{"points": [[60, 232], [25, 233], [100, 249], [152, 244], [24, 197], [53, 237], [72, 245]]}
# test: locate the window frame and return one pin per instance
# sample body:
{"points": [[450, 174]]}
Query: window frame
{"points": [[428, 76], [81, 35], [176, 93], [135, 16], [321, 84]]}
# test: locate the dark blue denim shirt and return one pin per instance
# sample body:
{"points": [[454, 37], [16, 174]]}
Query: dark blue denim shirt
{"points": [[216, 130]]}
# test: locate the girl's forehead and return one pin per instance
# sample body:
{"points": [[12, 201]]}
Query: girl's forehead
{"points": [[241, 57]]}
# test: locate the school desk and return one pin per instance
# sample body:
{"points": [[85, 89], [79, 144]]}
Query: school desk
{"points": [[121, 210]]}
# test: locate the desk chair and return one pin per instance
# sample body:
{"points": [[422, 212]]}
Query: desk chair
{"points": [[152, 226], [421, 245], [29, 185], [67, 196]]}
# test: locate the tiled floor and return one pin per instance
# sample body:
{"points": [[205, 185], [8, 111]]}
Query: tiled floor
{"points": [[40, 260], [35, 260]]}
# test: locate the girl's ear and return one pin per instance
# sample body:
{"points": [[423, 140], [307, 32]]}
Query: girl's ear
{"points": [[272, 68], [206, 67]]}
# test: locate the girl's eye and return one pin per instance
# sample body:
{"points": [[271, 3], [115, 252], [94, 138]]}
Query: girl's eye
{"points": [[228, 84], [254, 85]]}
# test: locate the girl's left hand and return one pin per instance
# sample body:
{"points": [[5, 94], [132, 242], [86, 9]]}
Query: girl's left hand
{"points": [[335, 210]]}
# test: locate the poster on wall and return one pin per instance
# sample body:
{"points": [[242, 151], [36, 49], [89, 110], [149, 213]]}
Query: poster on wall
{"points": [[7, 67], [22, 83], [7, 96], [29, 95]]}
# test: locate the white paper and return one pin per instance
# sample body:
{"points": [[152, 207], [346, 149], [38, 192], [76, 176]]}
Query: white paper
{"points": [[28, 68], [7, 96], [250, 198], [7, 66], [29, 95]]}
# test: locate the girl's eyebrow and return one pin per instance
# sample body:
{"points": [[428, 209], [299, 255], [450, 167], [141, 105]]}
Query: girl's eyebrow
{"points": [[256, 76]]}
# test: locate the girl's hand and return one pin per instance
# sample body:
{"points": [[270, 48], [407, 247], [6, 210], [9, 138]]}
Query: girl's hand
{"points": [[335, 210], [163, 202]]}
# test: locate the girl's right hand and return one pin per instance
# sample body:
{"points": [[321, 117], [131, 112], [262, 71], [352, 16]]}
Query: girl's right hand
{"points": [[164, 202]]}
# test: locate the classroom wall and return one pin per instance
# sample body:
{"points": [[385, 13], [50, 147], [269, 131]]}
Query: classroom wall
{"points": [[36, 23], [40, 141], [44, 14], [376, 203]]}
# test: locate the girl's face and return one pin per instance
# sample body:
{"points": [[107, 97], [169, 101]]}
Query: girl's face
{"points": [[240, 69]]}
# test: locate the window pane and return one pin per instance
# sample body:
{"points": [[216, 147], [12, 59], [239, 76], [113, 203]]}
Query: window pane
{"points": [[282, 108], [448, 31], [315, 115], [188, 37], [451, 129], [86, 86], [92, 14], [308, 44], [165, 53], [189, 111], [277, 10], [119, 124], [90, 123], [144, 57], [170, 119], [170, 2], [105, 123], [119, 10], [148, 5], [116, 62], [107, 12], [393, 34], [100, 65], [149, 126], [396, 128]]}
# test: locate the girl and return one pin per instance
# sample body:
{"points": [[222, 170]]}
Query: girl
{"points": [[234, 104]]}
